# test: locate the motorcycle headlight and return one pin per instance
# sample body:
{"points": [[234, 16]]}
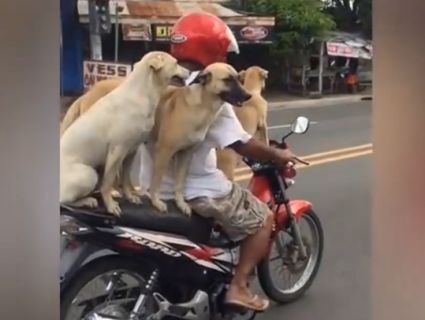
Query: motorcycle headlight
{"points": [[71, 226]]}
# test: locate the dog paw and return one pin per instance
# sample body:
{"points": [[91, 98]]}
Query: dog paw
{"points": [[133, 198], [114, 208], [144, 193], [89, 202], [184, 207], [116, 194], [160, 205], [92, 202]]}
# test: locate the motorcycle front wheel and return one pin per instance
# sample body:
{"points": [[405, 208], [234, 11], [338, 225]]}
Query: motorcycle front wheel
{"points": [[284, 275], [105, 288]]}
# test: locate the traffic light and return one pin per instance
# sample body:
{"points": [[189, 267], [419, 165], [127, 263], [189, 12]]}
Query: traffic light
{"points": [[99, 17]]}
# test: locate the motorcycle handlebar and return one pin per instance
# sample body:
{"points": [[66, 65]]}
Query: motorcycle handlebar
{"points": [[275, 144]]}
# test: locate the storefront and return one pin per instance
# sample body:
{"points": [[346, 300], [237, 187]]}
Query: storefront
{"points": [[338, 63], [128, 29]]}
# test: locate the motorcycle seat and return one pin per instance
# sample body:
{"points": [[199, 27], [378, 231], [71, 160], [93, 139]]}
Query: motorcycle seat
{"points": [[144, 216]]}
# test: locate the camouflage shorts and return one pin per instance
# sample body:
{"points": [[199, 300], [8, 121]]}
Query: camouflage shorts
{"points": [[239, 213]]}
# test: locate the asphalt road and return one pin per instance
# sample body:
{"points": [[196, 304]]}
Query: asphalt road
{"points": [[340, 193], [333, 127]]}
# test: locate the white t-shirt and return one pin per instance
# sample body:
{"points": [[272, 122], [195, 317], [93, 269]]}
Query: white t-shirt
{"points": [[203, 178]]}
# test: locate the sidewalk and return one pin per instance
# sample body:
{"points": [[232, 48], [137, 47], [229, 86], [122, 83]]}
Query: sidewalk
{"points": [[279, 100]]}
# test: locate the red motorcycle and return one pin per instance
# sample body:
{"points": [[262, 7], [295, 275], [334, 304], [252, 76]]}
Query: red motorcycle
{"points": [[147, 266]]}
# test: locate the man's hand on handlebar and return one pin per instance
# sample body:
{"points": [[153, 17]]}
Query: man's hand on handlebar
{"points": [[285, 156], [257, 150]]}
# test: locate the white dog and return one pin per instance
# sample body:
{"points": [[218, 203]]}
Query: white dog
{"points": [[107, 134]]}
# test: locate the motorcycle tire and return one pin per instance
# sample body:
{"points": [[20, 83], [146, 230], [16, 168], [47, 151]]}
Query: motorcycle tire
{"points": [[266, 280], [91, 271]]}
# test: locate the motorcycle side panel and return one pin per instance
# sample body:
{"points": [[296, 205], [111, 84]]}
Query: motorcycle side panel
{"points": [[217, 259], [259, 186]]}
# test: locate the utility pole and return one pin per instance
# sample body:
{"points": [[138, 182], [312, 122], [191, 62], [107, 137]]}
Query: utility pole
{"points": [[99, 24]]}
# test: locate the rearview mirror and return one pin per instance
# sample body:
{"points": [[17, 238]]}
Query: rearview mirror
{"points": [[300, 125]]}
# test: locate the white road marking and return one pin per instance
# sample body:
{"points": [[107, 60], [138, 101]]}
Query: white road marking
{"points": [[287, 125]]}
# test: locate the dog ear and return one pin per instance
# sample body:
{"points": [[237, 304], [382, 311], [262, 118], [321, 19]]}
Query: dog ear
{"points": [[264, 73], [157, 62], [203, 78], [241, 76]]}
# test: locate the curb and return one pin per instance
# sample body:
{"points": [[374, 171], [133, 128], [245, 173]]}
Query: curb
{"points": [[276, 105]]}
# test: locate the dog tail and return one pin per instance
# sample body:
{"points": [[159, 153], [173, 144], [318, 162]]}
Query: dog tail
{"points": [[71, 115]]}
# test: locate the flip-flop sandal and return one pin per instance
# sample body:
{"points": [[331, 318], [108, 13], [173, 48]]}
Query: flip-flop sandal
{"points": [[249, 305]]}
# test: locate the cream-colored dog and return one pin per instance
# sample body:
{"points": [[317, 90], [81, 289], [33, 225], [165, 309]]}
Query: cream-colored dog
{"points": [[253, 117], [111, 130], [182, 121]]}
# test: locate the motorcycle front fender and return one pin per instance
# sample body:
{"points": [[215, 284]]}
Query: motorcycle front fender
{"points": [[298, 208]]}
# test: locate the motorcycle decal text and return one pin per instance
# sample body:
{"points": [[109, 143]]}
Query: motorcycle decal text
{"points": [[152, 245]]}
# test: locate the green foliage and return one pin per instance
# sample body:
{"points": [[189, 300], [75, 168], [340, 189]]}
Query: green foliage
{"points": [[298, 22], [352, 15], [365, 16]]}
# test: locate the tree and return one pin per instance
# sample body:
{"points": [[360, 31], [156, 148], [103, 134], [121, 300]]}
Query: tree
{"points": [[352, 15], [297, 23]]}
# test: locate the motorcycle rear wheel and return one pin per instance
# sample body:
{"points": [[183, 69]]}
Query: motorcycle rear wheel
{"points": [[100, 270], [308, 268]]}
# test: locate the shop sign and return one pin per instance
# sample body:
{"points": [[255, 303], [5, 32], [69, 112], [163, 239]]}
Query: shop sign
{"points": [[95, 71], [137, 32]]}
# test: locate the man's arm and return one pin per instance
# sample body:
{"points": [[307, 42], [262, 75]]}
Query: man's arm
{"points": [[227, 131], [257, 150]]}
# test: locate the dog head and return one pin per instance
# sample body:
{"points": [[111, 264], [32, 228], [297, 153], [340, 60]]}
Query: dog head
{"points": [[222, 80], [164, 68], [254, 77]]}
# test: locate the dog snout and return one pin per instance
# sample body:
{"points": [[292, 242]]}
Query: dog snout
{"points": [[183, 73], [246, 96], [180, 77], [241, 96]]}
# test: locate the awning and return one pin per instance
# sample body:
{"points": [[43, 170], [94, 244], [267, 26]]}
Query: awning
{"points": [[348, 45], [152, 20]]}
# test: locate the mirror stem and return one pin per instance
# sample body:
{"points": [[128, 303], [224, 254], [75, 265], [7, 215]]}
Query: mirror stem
{"points": [[287, 135]]}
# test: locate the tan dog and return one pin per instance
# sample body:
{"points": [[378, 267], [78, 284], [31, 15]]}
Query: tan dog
{"points": [[83, 103], [111, 130], [253, 117], [183, 119]]}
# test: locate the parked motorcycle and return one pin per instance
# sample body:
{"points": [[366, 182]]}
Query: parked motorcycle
{"points": [[148, 266]]}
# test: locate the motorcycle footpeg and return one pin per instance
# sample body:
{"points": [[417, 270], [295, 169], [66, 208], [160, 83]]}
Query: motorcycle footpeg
{"points": [[195, 309], [233, 309]]}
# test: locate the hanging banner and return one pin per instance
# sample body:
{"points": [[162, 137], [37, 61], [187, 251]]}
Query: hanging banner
{"points": [[137, 32], [95, 71], [348, 50]]}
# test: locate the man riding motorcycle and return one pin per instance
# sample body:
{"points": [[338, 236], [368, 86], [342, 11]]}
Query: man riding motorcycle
{"points": [[197, 40]]}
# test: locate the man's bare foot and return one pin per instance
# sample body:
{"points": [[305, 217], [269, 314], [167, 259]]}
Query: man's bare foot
{"points": [[243, 297]]}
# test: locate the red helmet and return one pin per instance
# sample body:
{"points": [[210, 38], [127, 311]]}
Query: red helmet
{"points": [[202, 38]]}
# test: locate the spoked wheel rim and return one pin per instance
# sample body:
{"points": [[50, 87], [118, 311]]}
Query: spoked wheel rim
{"points": [[111, 294], [289, 272]]}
